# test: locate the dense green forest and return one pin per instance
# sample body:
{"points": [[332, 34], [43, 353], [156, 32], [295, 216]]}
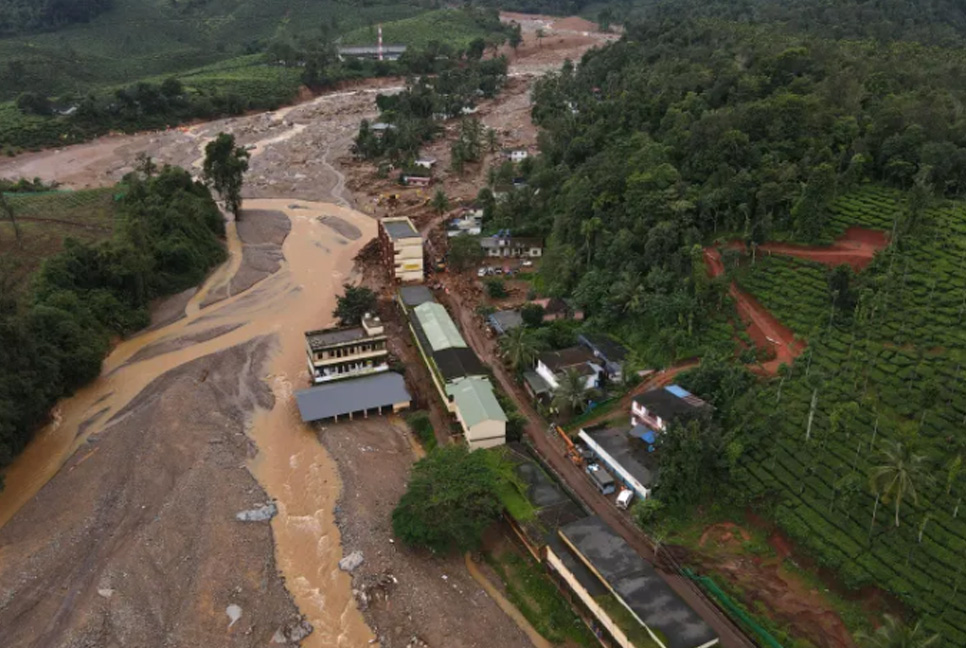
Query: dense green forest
{"points": [[55, 331], [691, 131], [18, 16]]}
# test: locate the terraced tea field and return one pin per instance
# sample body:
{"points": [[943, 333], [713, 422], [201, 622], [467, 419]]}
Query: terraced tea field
{"points": [[892, 370]]}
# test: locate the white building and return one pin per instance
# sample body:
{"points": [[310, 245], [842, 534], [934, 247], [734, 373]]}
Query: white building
{"points": [[552, 365], [402, 248]]}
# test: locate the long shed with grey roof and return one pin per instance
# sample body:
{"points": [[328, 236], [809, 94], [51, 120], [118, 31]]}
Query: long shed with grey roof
{"points": [[671, 622], [375, 394]]}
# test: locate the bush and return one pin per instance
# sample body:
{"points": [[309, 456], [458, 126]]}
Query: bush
{"points": [[496, 288]]}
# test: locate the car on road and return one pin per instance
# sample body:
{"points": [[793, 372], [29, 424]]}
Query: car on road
{"points": [[527, 264]]}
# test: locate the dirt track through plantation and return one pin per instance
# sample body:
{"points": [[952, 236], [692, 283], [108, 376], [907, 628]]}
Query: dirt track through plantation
{"points": [[855, 248]]}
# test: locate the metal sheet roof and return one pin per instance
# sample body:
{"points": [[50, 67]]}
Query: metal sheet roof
{"points": [[636, 582], [439, 328], [415, 295], [476, 402], [342, 397]]}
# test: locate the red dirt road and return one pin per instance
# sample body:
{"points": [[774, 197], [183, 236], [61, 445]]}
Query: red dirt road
{"points": [[856, 248], [763, 327]]}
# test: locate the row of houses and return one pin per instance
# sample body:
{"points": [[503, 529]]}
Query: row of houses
{"points": [[456, 371], [618, 593]]}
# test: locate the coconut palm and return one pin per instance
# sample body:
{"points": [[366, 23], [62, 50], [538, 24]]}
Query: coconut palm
{"points": [[893, 633], [897, 474], [440, 201], [520, 347], [572, 393]]}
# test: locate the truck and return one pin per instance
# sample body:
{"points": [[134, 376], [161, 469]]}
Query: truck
{"points": [[601, 478]]}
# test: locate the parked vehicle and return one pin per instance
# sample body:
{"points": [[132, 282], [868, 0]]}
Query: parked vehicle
{"points": [[481, 272], [527, 264], [624, 499], [601, 478]]}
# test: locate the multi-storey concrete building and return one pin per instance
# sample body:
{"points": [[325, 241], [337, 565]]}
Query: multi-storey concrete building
{"points": [[402, 249], [346, 352]]}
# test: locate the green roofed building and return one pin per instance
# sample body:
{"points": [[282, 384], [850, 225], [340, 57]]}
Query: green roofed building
{"points": [[482, 418], [439, 329]]}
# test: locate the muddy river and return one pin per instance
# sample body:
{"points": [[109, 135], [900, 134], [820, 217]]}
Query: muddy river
{"points": [[290, 464]]}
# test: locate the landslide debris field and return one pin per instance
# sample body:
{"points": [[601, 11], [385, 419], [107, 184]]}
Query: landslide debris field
{"points": [[179, 495]]}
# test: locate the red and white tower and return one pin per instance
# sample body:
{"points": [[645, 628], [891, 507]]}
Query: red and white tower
{"points": [[379, 49]]}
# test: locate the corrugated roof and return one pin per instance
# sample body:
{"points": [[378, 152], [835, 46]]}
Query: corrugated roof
{"points": [[439, 328], [636, 582], [458, 362], [476, 402], [342, 397], [415, 295]]}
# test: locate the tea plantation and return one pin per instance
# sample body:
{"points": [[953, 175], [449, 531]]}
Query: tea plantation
{"points": [[892, 369]]}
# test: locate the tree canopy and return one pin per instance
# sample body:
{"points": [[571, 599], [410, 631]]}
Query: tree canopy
{"points": [[54, 333], [452, 497], [224, 167], [353, 304]]}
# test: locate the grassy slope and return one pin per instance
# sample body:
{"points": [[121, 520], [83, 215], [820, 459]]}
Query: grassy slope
{"points": [[84, 215], [445, 25], [912, 334], [140, 38]]}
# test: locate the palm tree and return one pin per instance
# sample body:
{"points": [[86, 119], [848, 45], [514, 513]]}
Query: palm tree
{"points": [[520, 348], [898, 473], [893, 633], [440, 201], [572, 393]]}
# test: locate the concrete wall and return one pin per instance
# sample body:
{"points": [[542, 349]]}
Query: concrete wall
{"points": [[487, 434], [554, 561]]}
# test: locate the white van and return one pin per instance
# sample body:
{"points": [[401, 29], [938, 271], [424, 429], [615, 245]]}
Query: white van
{"points": [[624, 499]]}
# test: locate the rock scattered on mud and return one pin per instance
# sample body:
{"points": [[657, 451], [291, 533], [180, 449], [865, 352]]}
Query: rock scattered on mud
{"points": [[234, 613], [293, 632], [351, 562], [260, 514]]}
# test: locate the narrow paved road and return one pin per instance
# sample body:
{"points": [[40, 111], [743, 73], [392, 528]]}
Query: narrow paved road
{"points": [[552, 451]]}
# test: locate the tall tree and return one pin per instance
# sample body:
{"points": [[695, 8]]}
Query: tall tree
{"points": [[6, 209], [571, 394], [897, 474], [353, 304], [440, 202], [520, 348], [451, 499], [224, 169]]}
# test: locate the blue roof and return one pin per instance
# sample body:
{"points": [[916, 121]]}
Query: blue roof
{"points": [[341, 397], [678, 391]]}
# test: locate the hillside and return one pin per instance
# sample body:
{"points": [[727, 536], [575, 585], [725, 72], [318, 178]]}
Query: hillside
{"points": [[143, 38], [888, 371], [689, 135], [46, 219]]}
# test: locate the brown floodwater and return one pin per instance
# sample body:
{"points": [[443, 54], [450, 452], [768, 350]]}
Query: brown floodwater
{"points": [[290, 464]]}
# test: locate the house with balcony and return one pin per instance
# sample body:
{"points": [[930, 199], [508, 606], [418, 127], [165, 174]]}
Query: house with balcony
{"points": [[348, 351], [656, 408], [511, 247]]}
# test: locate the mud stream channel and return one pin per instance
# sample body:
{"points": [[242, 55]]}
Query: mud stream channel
{"points": [[290, 463]]}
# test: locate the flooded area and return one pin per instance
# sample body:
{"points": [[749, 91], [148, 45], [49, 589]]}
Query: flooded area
{"points": [[289, 463], [125, 518]]}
